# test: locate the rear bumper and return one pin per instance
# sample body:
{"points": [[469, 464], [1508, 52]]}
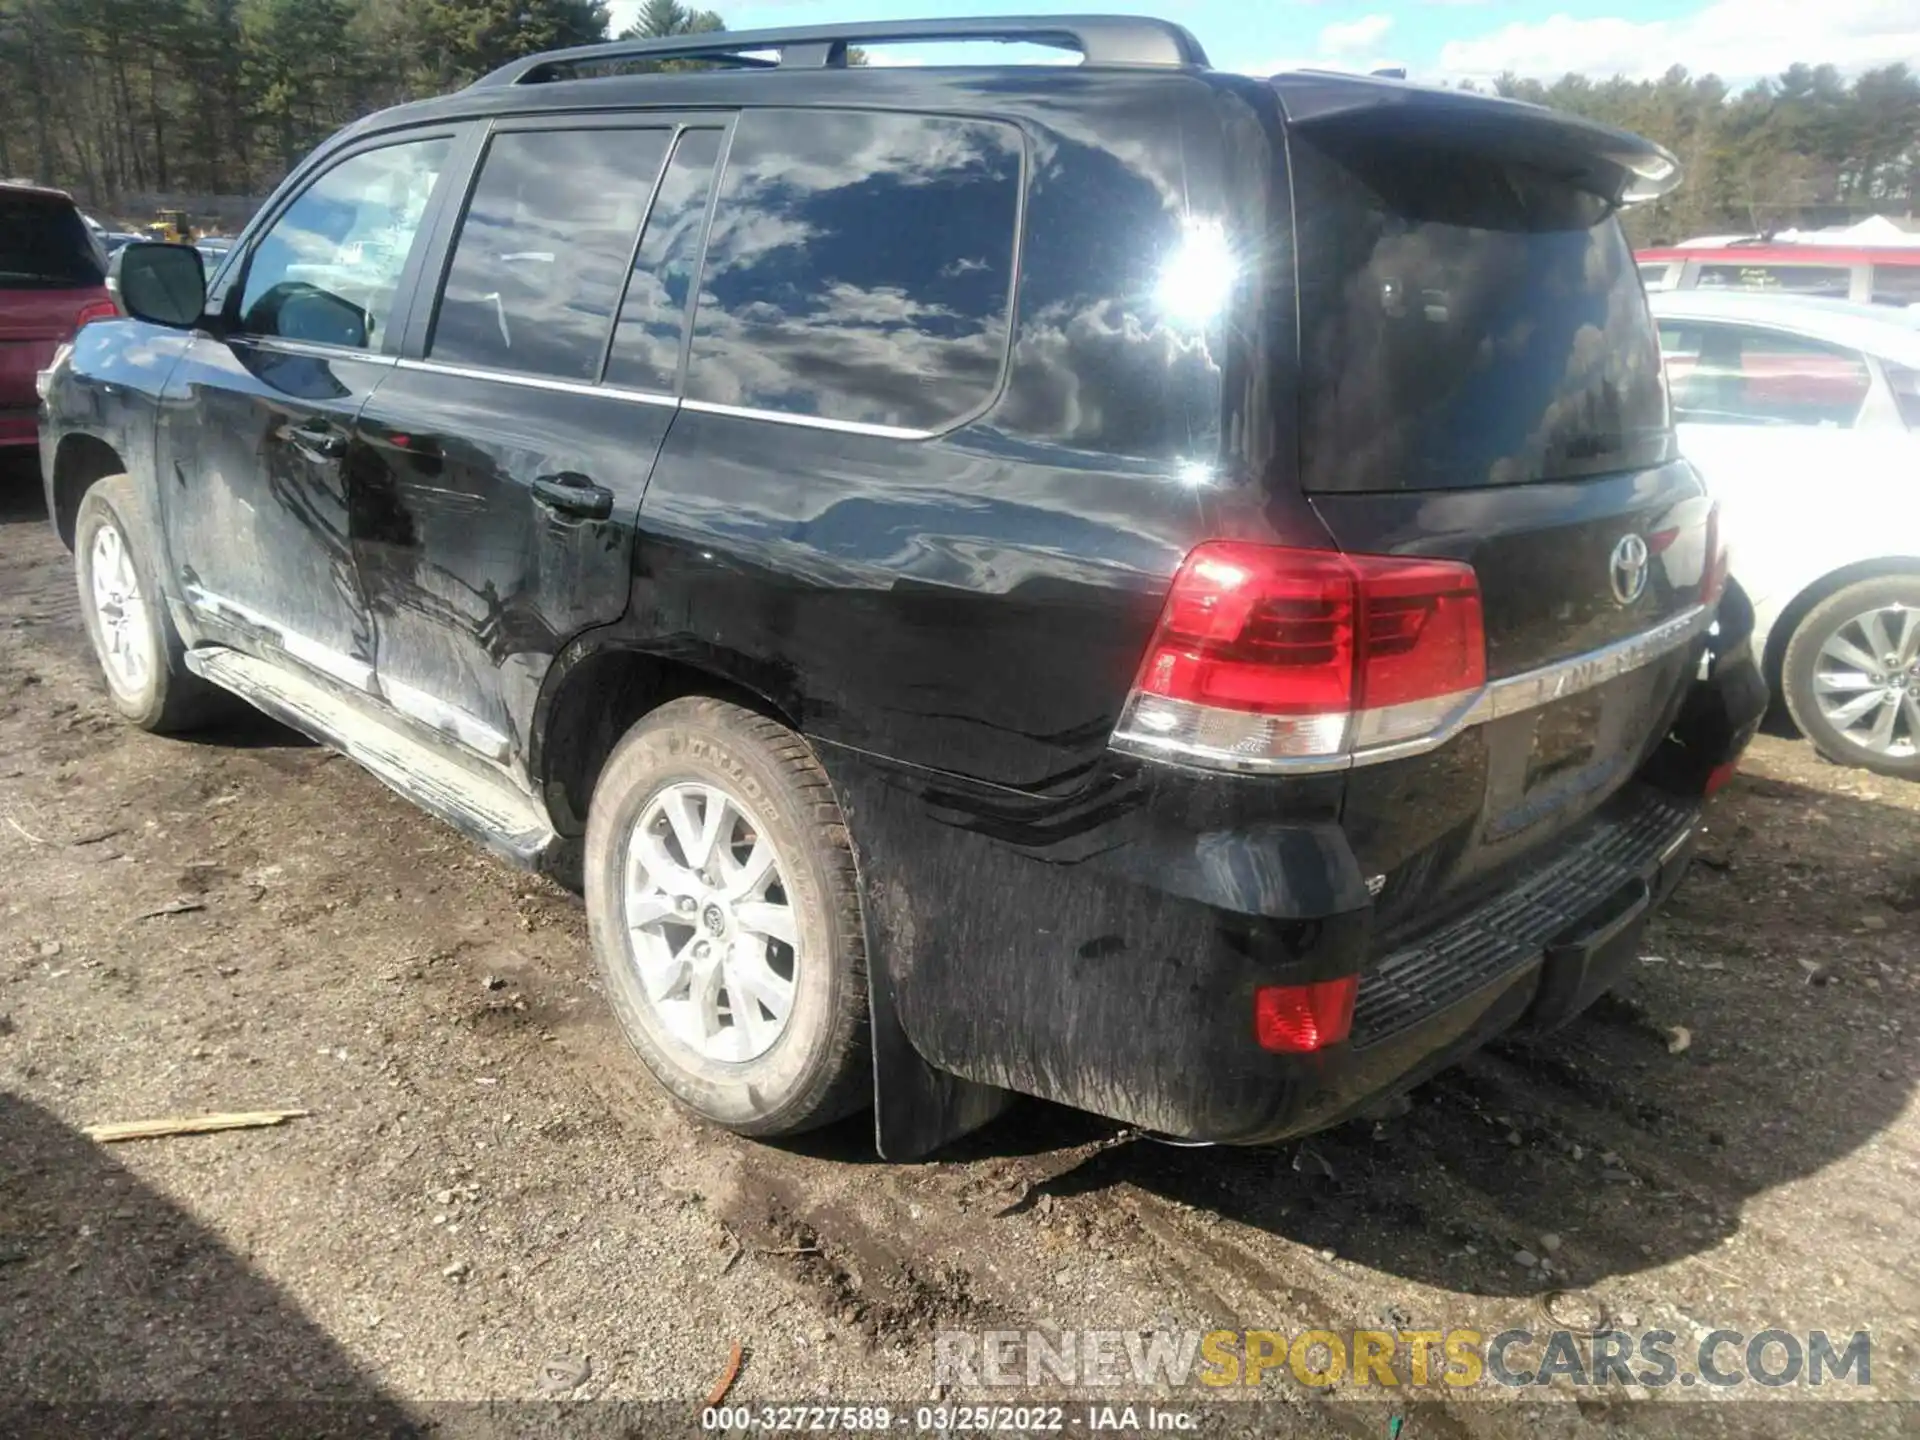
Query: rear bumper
{"points": [[1531, 957], [1103, 950], [1120, 984], [1537, 954]]}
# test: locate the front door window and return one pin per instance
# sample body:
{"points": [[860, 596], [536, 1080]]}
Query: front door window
{"points": [[328, 269]]}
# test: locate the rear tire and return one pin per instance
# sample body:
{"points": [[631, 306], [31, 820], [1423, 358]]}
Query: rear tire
{"points": [[725, 918], [1851, 676], [141, 655]]}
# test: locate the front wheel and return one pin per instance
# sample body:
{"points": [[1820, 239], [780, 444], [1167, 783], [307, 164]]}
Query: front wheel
{"points": [[725, 918], [1852, 676], [140, 653]]}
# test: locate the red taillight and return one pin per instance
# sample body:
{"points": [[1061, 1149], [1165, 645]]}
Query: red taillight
{"points": [[1713, 569], [1422, 633], [1299, 1019], [1270, 653], [1718, 777], [1242, 633], [94, 310]]}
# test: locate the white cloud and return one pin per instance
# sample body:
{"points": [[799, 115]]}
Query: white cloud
{"points": [[1738, 40], [1354, 35]]}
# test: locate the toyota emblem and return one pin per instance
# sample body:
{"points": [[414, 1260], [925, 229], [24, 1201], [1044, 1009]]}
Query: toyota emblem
{"points": [[1627, 570]]}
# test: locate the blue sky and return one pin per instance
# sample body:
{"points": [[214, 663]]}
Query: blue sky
{"points": [[1740, 40]]}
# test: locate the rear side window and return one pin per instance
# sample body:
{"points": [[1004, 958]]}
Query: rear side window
{"points": [[542, 253], [653, 316], [1832, 282], [860, 268], [44, 245], [1464, 323], [1740, 375]]}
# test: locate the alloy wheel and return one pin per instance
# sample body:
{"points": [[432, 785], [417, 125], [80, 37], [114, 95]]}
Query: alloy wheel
{"points": [[712, 935], [1866, 680], [126, 639]]}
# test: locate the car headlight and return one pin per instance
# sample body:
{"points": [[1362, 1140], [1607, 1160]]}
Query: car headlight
{"points": [[43, 379]]}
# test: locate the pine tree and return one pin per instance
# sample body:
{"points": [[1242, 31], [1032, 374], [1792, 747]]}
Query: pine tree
{"points": [[659, 19], [463, 39]]}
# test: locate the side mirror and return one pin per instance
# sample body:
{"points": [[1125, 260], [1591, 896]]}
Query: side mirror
{"points": [[161, 284], [307, 312]]}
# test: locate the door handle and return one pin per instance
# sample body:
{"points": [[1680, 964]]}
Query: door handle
{"points": [[317, 442], [572, 493]]}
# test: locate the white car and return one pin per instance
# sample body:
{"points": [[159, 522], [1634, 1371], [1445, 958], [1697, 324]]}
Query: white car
{"points": [[1804, 417]]}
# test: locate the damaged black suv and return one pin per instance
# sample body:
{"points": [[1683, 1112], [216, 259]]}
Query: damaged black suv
{"points": [[1161, 590]]}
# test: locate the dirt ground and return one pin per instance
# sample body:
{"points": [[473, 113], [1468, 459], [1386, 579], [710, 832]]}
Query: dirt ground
{"points": [[491, 1202]]}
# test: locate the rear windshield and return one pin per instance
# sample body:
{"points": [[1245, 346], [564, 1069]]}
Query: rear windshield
{"points": [[1463, 323], [44, 245]]}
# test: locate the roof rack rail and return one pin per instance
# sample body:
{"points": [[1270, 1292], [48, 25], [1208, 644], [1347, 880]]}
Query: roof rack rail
{"points": [[1100, 39]]}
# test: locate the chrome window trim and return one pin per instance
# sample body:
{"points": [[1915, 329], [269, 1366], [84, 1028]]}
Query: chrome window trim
{"points": [[1513, 695], [313, 349], [648, 397], [808, 422], [539, 382]]}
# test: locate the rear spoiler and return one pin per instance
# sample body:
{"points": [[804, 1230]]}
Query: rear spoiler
{"points": [[1620, 167]]}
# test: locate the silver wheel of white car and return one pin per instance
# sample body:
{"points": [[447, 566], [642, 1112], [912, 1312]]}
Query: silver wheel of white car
{"points": [[725, 917], [1867, 680], [1852, 675], [713, 939]]}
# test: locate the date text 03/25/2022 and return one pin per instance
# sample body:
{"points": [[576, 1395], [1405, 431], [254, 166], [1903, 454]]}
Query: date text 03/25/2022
{"points": [[950, 1419]]}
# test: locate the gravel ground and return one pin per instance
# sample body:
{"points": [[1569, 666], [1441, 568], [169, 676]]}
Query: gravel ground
{"points": [[491, 1203]]}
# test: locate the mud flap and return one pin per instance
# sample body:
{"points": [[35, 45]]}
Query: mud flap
{"points": [[917, 1107]]}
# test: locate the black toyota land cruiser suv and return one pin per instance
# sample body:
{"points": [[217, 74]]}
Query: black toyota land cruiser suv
{"points": [[1162, 590]]}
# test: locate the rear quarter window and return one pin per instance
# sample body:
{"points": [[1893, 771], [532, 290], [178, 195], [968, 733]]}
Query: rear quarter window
{"points": [[859, 268], [1464, 323]]}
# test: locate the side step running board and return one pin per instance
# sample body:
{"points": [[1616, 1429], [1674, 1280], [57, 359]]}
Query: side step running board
{"points": [[485, 807]]}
